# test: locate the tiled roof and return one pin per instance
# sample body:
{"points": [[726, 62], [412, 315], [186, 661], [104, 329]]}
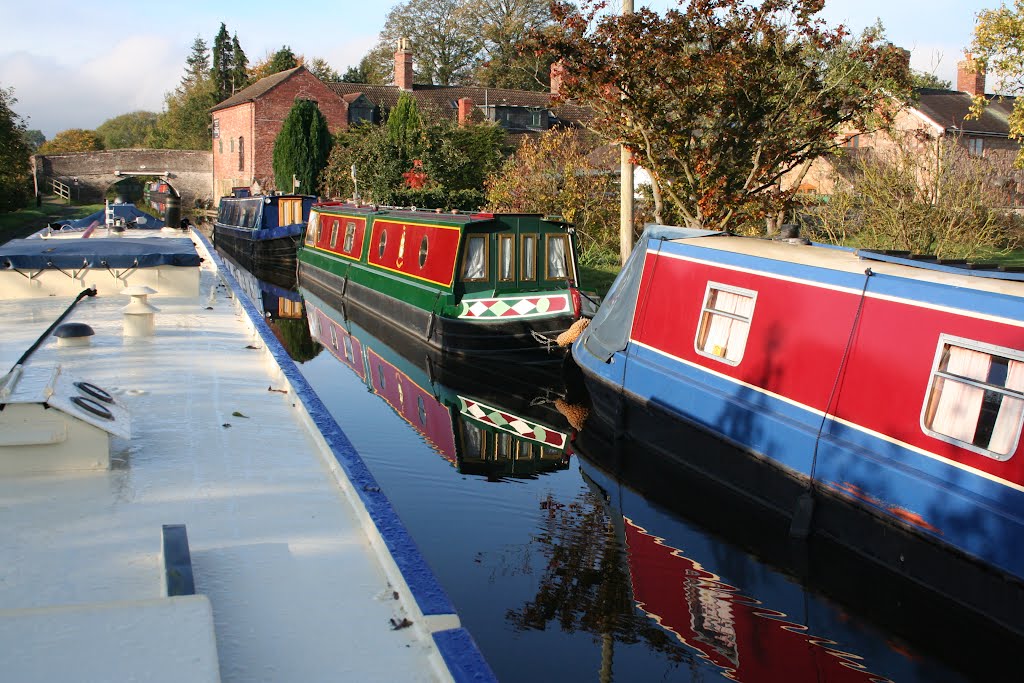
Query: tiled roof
{"points": [[440, 100], [948, 108], [257, 89]]}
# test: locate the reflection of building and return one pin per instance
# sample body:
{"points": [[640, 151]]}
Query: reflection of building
{"points": [[474, 414]]}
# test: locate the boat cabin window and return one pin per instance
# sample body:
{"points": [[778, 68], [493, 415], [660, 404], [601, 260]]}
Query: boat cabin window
{"points": [[557, 247], [334, 337], [334, 233], [424, 245], [506, 257], [350, 236], [528, 254], [349, 354], [311, 228], [383, 243], [474, 260], [381, 382], [725, 323], [421, 411], [976, 397], [472, 440]]}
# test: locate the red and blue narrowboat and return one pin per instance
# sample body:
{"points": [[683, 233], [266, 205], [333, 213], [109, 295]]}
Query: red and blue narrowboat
{"points": [[873, 398], [483, 417], [262, 229], [466, 283]]}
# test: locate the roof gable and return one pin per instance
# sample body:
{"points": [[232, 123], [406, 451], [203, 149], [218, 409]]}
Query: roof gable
{"points": [[949, 110], [259, 88]]}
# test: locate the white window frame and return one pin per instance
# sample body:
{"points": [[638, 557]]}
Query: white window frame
{"points": [[981, 347], [704, 310]]}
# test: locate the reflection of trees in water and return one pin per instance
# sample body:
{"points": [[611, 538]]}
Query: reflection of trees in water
{"points": [[585, 585], [295, 337]]}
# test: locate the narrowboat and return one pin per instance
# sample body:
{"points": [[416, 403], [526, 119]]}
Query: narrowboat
{"points": [[263, 228], [177, 502], [464, 282], [480, 416], [872, 398], [114, 219]]}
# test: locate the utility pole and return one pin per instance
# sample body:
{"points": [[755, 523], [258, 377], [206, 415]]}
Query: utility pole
{"points": [[625, 185]]}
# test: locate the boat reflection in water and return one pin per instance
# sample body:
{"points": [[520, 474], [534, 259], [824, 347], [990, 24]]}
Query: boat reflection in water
{"points": [[729, 584], [487, 418], [272, 291]]}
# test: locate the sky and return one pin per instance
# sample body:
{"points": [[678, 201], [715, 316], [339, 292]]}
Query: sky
{"points": [[77, 64]]}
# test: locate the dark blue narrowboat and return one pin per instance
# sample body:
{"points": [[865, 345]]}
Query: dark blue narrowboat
{"points": [[264, 229]]}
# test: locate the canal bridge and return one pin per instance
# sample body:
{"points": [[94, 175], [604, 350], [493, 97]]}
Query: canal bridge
{"points": [[89, 175]]}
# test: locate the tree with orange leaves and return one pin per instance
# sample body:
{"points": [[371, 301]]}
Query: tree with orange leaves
{"points": [[721, 98]]}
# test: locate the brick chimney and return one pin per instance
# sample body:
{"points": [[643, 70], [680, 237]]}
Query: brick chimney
{"points": [[970, 76], [466, 109], [403, 65], [557, 70]]}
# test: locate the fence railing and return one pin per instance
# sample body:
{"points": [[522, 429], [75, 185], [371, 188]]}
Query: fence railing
{"points": [[60, 189]]}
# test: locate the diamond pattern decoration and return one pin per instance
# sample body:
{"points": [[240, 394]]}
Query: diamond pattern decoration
{"points": [[511, 423], [514, 307]]}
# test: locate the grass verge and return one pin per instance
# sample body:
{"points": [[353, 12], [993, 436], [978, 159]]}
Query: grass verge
{"points": [[26, 221]]}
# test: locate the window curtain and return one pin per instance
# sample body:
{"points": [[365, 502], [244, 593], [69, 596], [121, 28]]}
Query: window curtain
{"points": [[959, 405], [556, 258], [727, 337], [529, 258], [1011, 410], [475, 268], [506, 258]]}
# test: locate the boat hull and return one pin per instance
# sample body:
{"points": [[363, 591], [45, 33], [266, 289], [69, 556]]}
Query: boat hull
{"points": [[269, 252], [452, 335]]}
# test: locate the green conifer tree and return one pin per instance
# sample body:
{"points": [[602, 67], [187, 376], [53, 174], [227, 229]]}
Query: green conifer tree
{"points": [[239, 66], [223, 61], [301, 148]]}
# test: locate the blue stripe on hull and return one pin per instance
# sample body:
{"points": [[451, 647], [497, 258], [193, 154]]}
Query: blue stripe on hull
{"points": [[263, 234], [981, 517]]}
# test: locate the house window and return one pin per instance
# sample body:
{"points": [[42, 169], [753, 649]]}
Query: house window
{"points": [[557, 247], [334, 234], [725, 323], [976, 397], [220, 146], [232, 141], [350, 237], [241, 153], [474, 259], [976, 147], [528, 254], [506, 257]]}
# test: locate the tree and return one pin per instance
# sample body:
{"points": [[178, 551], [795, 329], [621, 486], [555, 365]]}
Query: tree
{"points": [[925, 195], [185, 122], [34, 138], [72, 140], [127, 130], [301, 148], [14, 154], [505, 26], [282, 60], [998, 49], [197, 65], [375, 68], [443, 36], [925, 79], [319, 67], [721, 99], [223, 64], [239, 66], [561, 173], [405, 128]]}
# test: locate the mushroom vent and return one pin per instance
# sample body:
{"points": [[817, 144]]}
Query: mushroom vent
{"points": [[73, 334]]}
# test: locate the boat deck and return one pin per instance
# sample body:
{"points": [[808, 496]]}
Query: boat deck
{"points": [[283, 545]]}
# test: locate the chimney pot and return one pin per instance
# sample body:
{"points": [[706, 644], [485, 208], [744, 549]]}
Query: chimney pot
{"points": [[556, 72]]}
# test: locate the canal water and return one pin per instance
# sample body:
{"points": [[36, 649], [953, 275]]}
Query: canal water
{"points": [[567, 560]]}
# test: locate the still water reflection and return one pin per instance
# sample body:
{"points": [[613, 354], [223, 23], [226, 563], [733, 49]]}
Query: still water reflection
{"points": [[574, 558]]}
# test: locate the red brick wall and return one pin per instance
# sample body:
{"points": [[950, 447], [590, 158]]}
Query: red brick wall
{"points": [[260, 122]]}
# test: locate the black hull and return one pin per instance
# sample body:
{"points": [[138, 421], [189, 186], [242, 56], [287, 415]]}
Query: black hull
{"points": [[646, 439], [449, 335], [279, 254]]}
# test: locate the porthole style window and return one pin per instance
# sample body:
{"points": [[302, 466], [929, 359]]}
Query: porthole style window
{"points": [[423, 251], [350, 237], [334, 234], [383, 243]]}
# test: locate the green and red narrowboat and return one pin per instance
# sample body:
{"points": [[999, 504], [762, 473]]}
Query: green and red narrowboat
{"points": [[463, 282]]}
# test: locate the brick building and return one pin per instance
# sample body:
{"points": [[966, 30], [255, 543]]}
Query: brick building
{"points": [[246, 125]]}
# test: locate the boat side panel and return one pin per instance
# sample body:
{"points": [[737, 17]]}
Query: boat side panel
{"points": [[327, 223], [402, 242]]}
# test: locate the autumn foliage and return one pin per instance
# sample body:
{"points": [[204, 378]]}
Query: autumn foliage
{"points": [[720, 98]]}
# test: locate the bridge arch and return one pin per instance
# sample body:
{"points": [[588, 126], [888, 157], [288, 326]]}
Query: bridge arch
{"points": [[90, 174]]}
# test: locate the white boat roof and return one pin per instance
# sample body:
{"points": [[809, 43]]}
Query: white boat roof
{"points": [[849, 261], [300, 584]]}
